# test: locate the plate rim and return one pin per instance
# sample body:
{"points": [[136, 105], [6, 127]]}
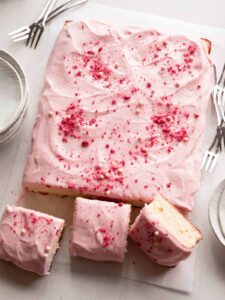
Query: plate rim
{"points": [[21, 104]]}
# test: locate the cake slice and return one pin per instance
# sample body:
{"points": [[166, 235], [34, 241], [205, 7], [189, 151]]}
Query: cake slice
{"points": [[29, 239], [100, 230], [163, 233]]}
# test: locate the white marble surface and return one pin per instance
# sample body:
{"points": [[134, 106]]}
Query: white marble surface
{"points": [[210, 269]]}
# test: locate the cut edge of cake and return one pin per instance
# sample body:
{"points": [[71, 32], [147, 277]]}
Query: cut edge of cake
{"points": [[175, 222], [163, 233]]}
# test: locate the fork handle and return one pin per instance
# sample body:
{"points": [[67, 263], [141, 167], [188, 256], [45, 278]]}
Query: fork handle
{"points": [[56, 12], [59, 7], [217, 108], [48, 11], [43, 11], [216, 138], [220, 137], [222, 76]]}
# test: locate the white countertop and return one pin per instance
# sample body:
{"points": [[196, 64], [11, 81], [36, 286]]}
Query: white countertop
{"points": [[210, 269]]}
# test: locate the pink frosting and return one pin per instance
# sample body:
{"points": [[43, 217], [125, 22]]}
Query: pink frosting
{"points": [[156, 241], [122, 114], [100, 230], [27, 238]]}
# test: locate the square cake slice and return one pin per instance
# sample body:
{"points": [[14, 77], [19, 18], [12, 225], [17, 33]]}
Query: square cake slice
{"points": [[29, 239], [100, 230], [163, 233], [122, 115]]}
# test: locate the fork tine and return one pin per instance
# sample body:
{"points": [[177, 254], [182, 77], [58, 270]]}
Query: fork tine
{"points": [[17, 30], [209, 161], [39, 37], [204, 159], [34, 35], [18, 35], [25, 37], [30, 34], [211, 156], [214, 161], [40, 26], [222, 76]]}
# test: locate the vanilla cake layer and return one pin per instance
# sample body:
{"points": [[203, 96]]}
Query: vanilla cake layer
{"points": [[122, 115], [163, 233]]}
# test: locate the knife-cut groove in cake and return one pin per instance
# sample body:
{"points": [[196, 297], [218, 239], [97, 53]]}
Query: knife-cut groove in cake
{"points": [[122, 115]]}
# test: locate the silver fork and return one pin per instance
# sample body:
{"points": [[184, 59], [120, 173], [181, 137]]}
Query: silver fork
{"points": [[211, 156], [22, 33], [37, 28], [218, 96], [18, 33]]}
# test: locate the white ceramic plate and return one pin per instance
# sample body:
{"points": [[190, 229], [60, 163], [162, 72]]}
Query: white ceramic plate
{"points": [[221, 212], [7, 57], [15, 122], [217, 212], [11, 95]]}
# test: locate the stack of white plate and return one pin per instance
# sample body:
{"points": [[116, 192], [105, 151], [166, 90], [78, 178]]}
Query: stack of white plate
{"points": [[217, 212], [13, 97]]}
